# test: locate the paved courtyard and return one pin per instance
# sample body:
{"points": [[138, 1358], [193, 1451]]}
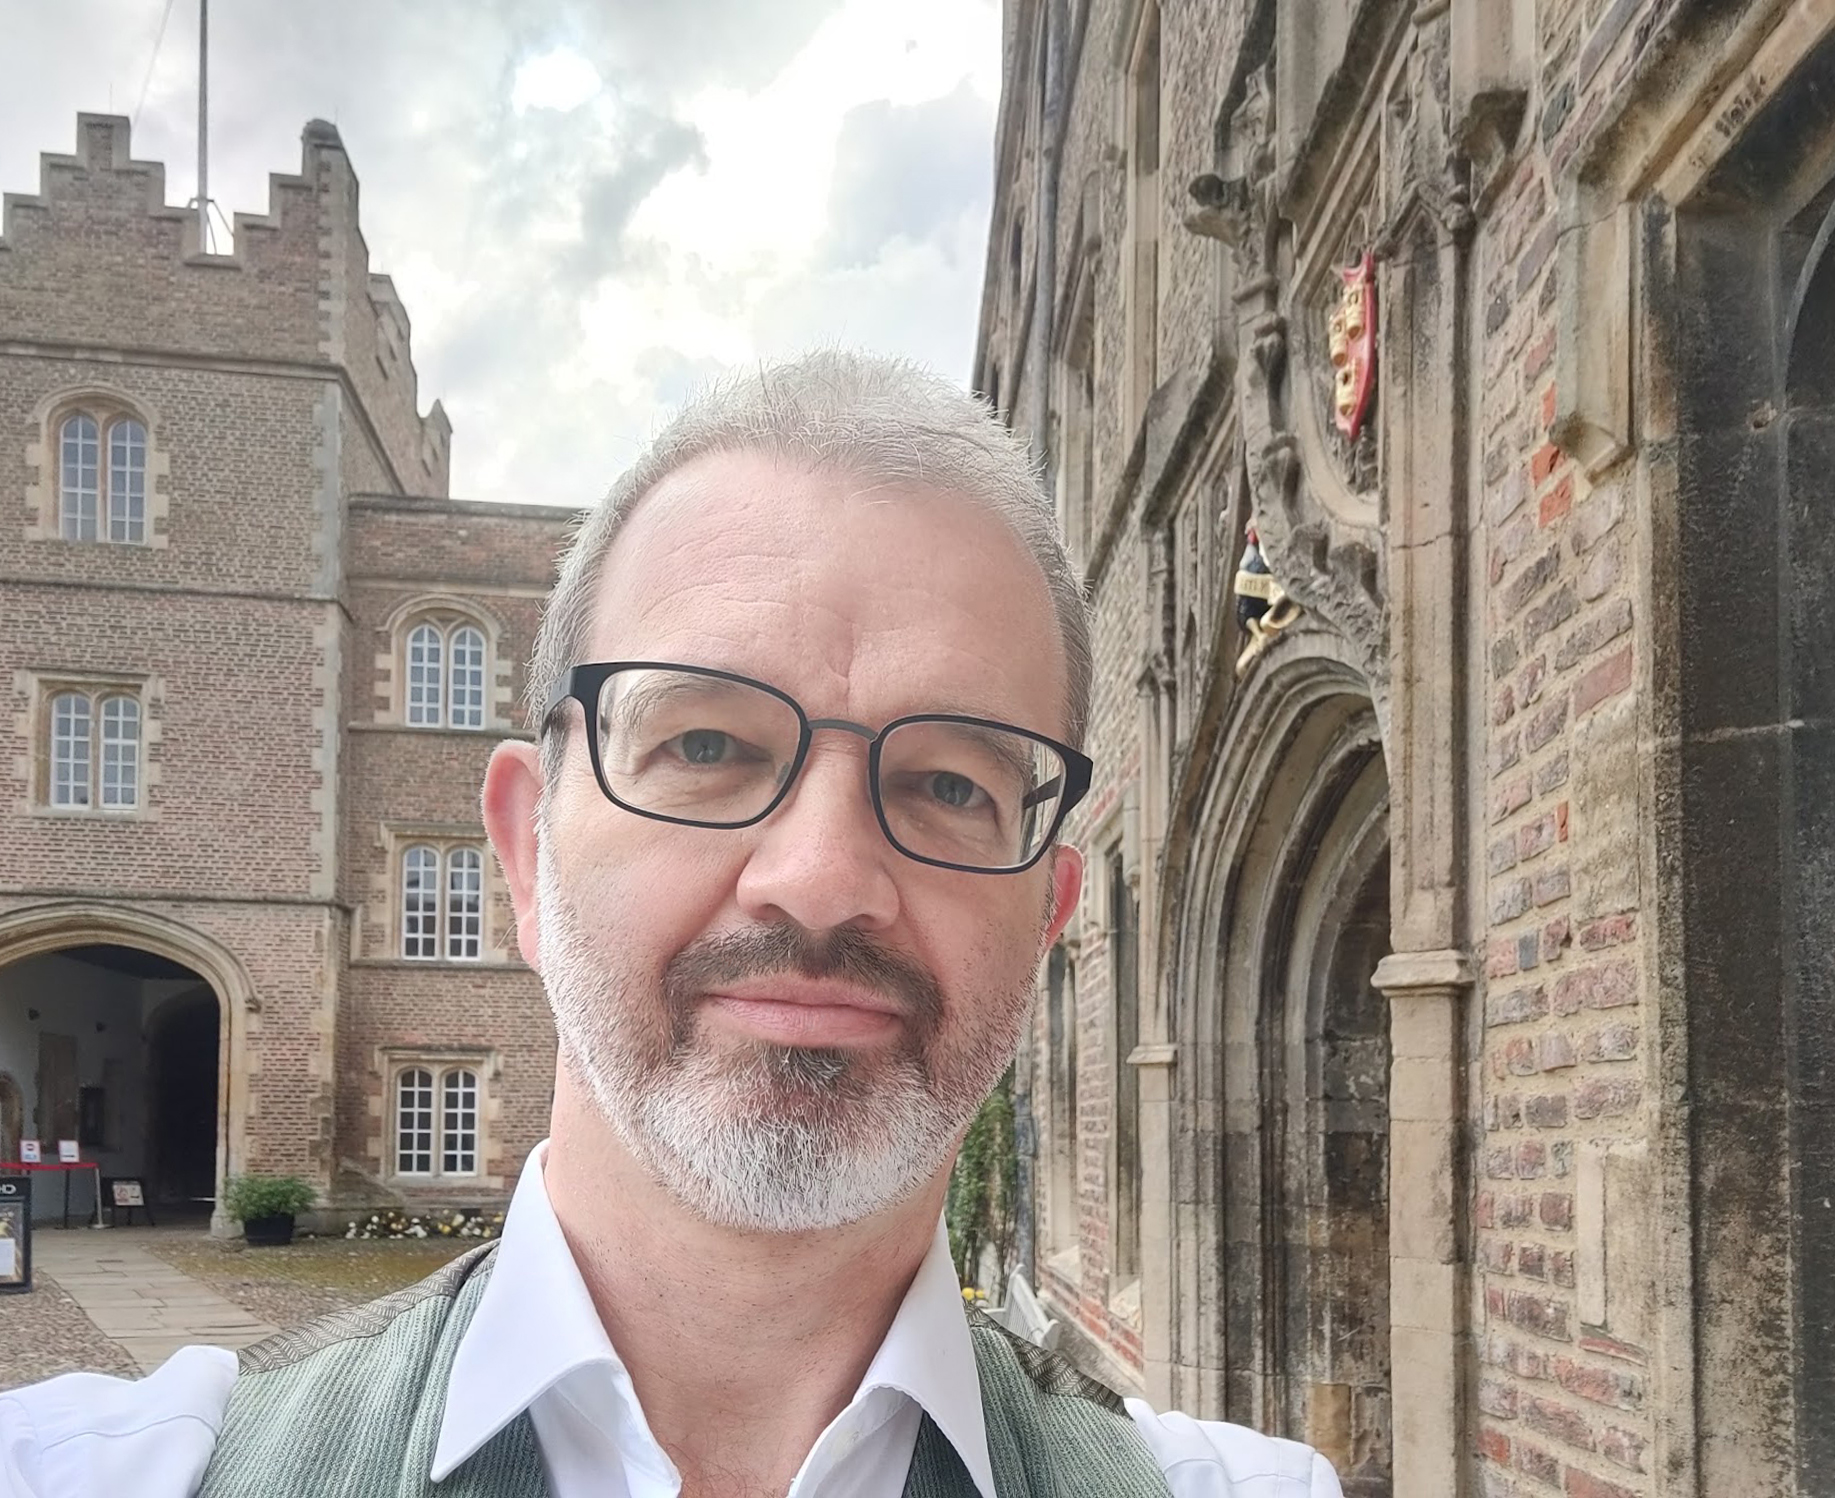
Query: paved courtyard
{"points": [[136, 1300], [122, 1300]]}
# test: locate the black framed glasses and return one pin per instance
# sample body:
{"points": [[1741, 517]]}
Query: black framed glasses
{"points": [[706, 748]]}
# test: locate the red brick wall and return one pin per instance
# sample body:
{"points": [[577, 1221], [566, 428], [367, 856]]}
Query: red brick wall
{"points": [[96, 258], [1561, 1402]]}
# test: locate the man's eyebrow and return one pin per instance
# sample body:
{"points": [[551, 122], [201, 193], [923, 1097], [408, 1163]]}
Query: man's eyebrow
{"points": [[654, 689], [1002, 744]]}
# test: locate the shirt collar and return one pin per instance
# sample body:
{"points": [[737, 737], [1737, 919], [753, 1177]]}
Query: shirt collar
{"points": [[536, 1323]]}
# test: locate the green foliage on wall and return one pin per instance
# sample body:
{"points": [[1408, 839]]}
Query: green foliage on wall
{"points": [[983, 1198]]}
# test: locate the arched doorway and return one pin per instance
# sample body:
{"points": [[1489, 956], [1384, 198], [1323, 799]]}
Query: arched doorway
{"points": [[1327, 1104], [1281, 1171], [94, 999]]}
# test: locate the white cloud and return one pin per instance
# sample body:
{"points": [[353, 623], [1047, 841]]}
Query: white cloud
{"points": [[561, 79]]}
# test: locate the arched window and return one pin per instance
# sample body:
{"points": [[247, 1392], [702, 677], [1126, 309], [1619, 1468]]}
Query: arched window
{"points": [[420, 903], [120, 751], [78, 476], [464, 904], [442, 903], [437, 1140], [70, 749], [459, 1123], [127, 481], [98, 499], [76, 775], [447, 666], [425, 653], [466, 698]]}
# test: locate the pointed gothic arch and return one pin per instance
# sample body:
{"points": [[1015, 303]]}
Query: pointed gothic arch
{"points": [[1280, 1183]]}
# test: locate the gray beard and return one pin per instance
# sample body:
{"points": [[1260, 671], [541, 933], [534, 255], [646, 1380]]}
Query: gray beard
{"points": [[765, 1138]]}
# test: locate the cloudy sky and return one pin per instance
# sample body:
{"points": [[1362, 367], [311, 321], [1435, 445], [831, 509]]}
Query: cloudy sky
{"points": [[587, 205]]}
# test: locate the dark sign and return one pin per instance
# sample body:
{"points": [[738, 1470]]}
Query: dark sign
{"points": [[15, 1233]]}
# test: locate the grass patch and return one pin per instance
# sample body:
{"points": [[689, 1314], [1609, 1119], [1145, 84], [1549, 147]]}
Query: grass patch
{"points": [[354, 1270]]}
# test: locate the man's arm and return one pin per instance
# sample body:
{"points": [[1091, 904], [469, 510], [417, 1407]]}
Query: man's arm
{"points": [[85, 1435]]}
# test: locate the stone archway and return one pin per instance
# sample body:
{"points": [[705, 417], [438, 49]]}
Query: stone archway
{"points": [[166, 962], [1280, 1268], [1328, 1057]]}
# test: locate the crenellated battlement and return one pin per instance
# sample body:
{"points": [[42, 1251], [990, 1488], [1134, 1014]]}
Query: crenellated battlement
{"points": [[98, 259], [102, 175]]}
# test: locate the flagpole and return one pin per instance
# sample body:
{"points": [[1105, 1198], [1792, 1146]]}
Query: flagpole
{"points": [[203, 126]]}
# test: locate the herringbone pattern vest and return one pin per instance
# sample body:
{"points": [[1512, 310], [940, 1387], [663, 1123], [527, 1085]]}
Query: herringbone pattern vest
{"points": [[350, 1407]]}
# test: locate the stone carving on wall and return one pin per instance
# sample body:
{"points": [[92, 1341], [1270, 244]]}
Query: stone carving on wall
{"points": [[1320, 540], [1263, 608], [1427, 170], [1319, 504]]}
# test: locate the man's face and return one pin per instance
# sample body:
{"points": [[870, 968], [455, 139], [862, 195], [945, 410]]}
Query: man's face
{"points": [[790, 1024]]}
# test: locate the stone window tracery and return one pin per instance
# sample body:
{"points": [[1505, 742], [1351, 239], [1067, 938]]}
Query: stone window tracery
{"points": [[97, 472], [437, 1111], [102, 476], [442, 903], [91, 753], [447, 662]]}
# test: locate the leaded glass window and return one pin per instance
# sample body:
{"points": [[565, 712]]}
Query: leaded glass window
{"points": [[420, 903], [414, 1122], [70, 745], [78, 476], [459, 1123]]}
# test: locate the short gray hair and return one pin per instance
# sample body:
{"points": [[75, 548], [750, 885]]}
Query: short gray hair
{"points": [[885, 420]]}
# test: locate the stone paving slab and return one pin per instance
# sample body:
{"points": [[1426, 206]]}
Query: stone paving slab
{"points": [[138, 1301]]}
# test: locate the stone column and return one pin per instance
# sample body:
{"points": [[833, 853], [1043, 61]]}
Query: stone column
{"points": [[1428, 1294], [1153, 1063]]}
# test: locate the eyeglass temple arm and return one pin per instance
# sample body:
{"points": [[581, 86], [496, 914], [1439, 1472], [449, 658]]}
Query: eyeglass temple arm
{"points": [[562, 695], [1042, 793]]}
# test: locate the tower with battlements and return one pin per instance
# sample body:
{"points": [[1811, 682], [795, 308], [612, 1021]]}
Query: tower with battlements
{"points": [[253, 658]]}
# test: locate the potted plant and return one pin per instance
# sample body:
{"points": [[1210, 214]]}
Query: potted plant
{"points": [[266, 1206]]}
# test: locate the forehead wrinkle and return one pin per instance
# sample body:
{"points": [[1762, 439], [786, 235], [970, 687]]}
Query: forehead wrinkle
{"points": [[760, 565]]}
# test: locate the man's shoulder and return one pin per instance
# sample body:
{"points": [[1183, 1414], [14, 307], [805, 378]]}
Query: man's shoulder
{"points": [[1213, 1459], [1197, 1458], [361, 1324], [89, 1433]]}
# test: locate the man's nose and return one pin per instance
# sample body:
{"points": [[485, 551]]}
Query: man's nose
{"points": [[820, 859]]}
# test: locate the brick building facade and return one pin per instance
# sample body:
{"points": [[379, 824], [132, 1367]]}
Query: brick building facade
{"points": [[1436, 1071], [252, 662]]}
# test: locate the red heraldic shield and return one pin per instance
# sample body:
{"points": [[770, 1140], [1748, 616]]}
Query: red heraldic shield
{"points": [[1353, 346]]}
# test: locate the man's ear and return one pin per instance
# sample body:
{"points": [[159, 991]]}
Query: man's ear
{"points": [[511, 802], [1066, 889]]}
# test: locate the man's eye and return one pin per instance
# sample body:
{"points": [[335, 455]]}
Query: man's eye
{"points": [[706, 746], [956, 791]]}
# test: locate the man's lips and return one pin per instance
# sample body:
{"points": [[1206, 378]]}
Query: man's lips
{"points": [[796, 1011]]}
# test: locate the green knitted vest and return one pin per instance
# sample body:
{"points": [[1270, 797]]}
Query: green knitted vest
{"points": [[350, 1407]]}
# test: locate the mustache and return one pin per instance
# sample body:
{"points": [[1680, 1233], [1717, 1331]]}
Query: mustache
{"points": [[844, 953]]}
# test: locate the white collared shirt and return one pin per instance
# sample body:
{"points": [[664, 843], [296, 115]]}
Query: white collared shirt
{"points": [[536, 1344]]}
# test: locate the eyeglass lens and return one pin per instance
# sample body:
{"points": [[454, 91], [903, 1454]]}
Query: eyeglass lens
{"points": [[717, 753]]}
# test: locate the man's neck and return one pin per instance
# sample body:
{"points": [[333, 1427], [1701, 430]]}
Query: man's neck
{"points": [[742, 1347]]}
